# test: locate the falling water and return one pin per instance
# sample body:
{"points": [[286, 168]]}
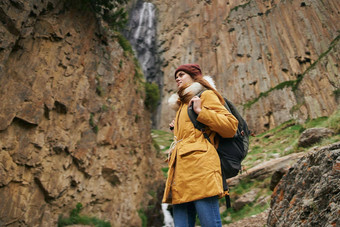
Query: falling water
{"points": [[141, 32], [168, 220]]}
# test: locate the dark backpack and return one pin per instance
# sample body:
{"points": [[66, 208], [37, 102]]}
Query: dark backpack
{"points": [[231, 151]]}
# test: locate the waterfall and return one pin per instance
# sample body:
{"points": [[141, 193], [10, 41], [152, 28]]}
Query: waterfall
{"points": [[168, 220], [141, 32]]}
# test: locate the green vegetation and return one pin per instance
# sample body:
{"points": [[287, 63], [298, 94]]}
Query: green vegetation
{"points": [[139, 76], [322, 55], [282, 85], [162, 139], [124, 43], [333, 122], [75, 218], [244, 186], [283, 140], [337, 93], [152, 96], [143, 216], [165, 171], [240, 6]]}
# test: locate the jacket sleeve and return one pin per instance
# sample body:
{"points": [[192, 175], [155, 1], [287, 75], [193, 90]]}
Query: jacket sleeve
{"points": [[216, 116]]}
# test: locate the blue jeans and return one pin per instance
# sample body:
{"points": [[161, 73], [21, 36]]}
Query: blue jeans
{"points": [[207, 210]]}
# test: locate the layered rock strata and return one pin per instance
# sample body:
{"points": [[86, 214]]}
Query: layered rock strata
{"points": [[277, 60], [73, 126]]}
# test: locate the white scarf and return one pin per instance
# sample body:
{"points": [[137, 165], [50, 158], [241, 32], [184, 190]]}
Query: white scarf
{"points": [[193, 89]]}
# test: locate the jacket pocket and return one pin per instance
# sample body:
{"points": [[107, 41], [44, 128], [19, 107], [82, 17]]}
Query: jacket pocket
{"points": [[190, 148]]}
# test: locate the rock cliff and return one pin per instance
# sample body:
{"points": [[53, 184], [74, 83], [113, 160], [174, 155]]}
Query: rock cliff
{"points": [[277, 60], [73, 126], [309, 194]]}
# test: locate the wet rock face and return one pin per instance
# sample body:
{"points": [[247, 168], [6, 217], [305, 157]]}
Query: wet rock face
{"points": [[309, 193], [279, 57], [72, 122]]}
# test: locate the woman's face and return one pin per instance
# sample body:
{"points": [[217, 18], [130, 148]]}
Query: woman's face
{"points": [[183, 78]]}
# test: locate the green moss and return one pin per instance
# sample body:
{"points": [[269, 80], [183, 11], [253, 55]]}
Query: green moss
{"points": [[92, 124], [76, 218], [266, 93], [124, 43], [296, 108], [152, 96], [143, 216], [139, 76], [336, 93], [240, 6], [236, 9], [91, 120], [322, 55]]}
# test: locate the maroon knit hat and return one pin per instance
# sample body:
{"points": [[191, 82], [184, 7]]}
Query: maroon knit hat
{"points": [[193, 70]]}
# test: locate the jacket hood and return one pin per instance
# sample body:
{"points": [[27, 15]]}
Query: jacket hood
{"points": [[194, 88]]}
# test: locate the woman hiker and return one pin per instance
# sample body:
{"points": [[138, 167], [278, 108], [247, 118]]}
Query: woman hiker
{"points": [[194, 182]]}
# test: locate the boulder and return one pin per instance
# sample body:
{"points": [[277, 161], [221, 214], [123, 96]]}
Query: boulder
{"points": [[246, 198], [313, 135], [309, 195]]}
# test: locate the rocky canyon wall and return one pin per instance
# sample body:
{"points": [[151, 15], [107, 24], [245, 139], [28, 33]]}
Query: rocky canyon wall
{"points": [[276, 59], [73, 127]]}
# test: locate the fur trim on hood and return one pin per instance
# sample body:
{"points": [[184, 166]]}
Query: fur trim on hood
{"points": [[194, 88]]}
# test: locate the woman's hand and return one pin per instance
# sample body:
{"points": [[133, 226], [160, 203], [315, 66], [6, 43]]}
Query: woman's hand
{"points": [[197, 104], [172, 125]]}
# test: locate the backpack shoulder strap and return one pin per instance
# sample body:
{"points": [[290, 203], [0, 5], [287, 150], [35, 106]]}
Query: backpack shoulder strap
{"points": [[193, 117]]}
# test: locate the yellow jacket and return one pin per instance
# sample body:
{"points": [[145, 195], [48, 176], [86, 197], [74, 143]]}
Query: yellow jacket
{"points": [[194, 165]]}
